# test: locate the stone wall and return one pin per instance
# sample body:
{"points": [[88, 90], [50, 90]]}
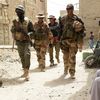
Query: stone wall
{"points": [[32, 8], [89, 10], [4, 23]]}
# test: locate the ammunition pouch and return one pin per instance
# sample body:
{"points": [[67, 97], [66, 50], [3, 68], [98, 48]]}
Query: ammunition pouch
{"points": [[20, 36], [68, 33], [21, 30], [40, 36], [62, 45]]}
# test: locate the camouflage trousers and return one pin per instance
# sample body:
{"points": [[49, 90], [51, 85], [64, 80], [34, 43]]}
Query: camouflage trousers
{"points": [[24, 53], [41, 49], [69, 50], [55, 46], [80, 44]]}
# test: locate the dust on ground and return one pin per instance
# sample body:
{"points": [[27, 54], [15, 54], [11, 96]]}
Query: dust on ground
{"points": [[49, 85]]}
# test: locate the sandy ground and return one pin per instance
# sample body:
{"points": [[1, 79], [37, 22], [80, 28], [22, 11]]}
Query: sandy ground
{"points": [[49, 85]]}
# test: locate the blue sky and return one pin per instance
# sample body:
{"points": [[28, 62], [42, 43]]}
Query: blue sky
{"points": [[54, 6]]}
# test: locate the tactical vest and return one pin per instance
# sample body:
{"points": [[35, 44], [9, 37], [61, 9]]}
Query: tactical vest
{"points": [[68, 31], [54, 29], [41, 31], [21, 29]]}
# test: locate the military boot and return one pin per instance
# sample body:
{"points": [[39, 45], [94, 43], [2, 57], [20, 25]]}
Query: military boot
{"points": [[1, 83], [25, 74], [52, 64], [65, 71], [42, 68], [58, 60], [72, 74]]}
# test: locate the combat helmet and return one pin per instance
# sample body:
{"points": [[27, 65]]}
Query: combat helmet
{"points": [[51, 17], [20, 8], [78, 26], [70, 6]]}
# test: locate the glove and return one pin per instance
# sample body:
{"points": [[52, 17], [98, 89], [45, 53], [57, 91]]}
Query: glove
{"points": [[29, 33]]}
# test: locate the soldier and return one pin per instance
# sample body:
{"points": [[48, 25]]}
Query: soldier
{"points": [[72, 34], [55, 29], [41, 40], [22, 29]]}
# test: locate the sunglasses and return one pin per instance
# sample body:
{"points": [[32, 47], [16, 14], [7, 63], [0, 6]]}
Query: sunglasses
{"points": [[69, 8]]}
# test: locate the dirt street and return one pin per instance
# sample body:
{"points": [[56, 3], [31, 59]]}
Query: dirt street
{"points": [[49, 85]]}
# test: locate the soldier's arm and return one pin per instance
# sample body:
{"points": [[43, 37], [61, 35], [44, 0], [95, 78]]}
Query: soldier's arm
{"points": [[31, 30], [30, 27], [80, 20], [83, 31], [50, 35], [58, 30], [61, 25], [13, 30]]}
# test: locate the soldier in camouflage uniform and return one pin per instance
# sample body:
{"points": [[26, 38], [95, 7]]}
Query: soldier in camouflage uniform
{"points": [[41, 40], [55, 29], [22, 29], [70, 38]]}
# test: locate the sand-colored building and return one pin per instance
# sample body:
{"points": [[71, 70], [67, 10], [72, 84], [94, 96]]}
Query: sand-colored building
{"points": [[7, 14], [89, 10]]}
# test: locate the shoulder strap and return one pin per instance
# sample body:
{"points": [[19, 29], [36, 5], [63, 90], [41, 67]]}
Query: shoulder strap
{"points": [[78, 19]]}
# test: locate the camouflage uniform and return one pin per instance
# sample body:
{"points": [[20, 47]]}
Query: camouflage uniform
{"points": [[23, 44], [55, 31], [20, 31], [69, 43], [41, 40]]}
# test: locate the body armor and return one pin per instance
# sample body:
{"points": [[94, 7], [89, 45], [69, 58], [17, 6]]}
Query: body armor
{"points": [[41, 31], [21, 30]]}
